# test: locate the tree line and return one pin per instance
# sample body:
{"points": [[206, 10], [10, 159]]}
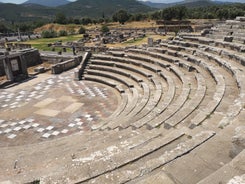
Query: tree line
{"points": [[222, 12]]}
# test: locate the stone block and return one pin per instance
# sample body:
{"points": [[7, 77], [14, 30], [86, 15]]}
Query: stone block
{"points": [[238, 141], [39, 69]]}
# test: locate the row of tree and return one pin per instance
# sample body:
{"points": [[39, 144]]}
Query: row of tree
{"points": [[228, 11], [177, 12]]}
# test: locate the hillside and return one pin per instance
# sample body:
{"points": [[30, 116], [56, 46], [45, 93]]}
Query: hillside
{"points": [[97, 8], [187, 3], [48, 3], [80, 8], [13, 12]]}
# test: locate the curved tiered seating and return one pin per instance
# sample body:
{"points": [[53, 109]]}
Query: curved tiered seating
{"points": [[233, 67], [178, 104], [181, 83]]}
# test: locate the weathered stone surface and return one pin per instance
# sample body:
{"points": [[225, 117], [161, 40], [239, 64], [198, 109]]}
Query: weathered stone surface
{"points": [[238, 141], [237, 180]]}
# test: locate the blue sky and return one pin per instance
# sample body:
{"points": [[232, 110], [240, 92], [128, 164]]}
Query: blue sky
{"points": [[161, 1], [18, 1]]}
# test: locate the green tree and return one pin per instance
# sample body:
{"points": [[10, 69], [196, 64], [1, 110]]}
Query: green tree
{"points": [[49, 34], [82, 30], [180, 12], [63, 33], [86, 21], [104, 29], [3, 28], [60, 18], [121, 16]]}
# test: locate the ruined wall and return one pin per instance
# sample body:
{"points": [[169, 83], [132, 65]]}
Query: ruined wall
{"points": [[66, 65], [31, 56], [2, 72]]}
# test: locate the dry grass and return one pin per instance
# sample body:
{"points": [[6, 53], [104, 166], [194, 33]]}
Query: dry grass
{"points": [[136, 42], [70, 27], [42, 43]]}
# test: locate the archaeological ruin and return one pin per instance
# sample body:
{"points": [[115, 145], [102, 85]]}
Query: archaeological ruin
{"points": [[171, 111]]}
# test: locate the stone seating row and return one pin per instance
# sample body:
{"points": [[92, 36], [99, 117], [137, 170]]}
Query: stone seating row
{"points": [[173, 107], [235, 107], [133, 99], [147, 165], [136, 90], [219, 91], [155, 70], [219, 56], [156, 96], [141, 147]]}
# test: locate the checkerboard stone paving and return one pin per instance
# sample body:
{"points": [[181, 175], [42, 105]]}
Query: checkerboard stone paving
{"points": [[12, 129], [22, 97]]}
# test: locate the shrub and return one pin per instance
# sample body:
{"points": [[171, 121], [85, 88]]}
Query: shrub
{"points": [[82, 30], [49, 34], [63, 33], [104, 29]]}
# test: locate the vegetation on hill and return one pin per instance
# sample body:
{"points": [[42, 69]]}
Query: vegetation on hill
{"points": [[106, 8], [83, 12], [226, 11], [49, 3]]}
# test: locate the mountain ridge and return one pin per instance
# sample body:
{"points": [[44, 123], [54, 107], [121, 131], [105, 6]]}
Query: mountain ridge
{"points": [[80, 8], [187, 3], [48, 3]]}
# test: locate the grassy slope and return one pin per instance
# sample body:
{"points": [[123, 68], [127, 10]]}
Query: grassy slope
{"points": [[42, 43]]}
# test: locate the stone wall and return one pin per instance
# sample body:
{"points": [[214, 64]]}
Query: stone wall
{"points": [[66, 65], [31, 56]]}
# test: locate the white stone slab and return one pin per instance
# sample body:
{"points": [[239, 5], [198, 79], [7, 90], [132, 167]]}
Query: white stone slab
{"points": [[11, 136], [90, 119], [22, 92], [21, 96], [46, 135], [49, 128], [7, 130], [56, 133], [79, 123], [39, 96], [37, 88], [35, 125], [77, 119], [1, 121], [30, 120], [17, 129], [27, 127], [4, 125], [64, 131], [40, 130], [22, 122], [71, 125], [13, 124], [14, 103]]}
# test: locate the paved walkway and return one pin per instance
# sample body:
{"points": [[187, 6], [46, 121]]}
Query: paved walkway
{"points": [[51, 106]]}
